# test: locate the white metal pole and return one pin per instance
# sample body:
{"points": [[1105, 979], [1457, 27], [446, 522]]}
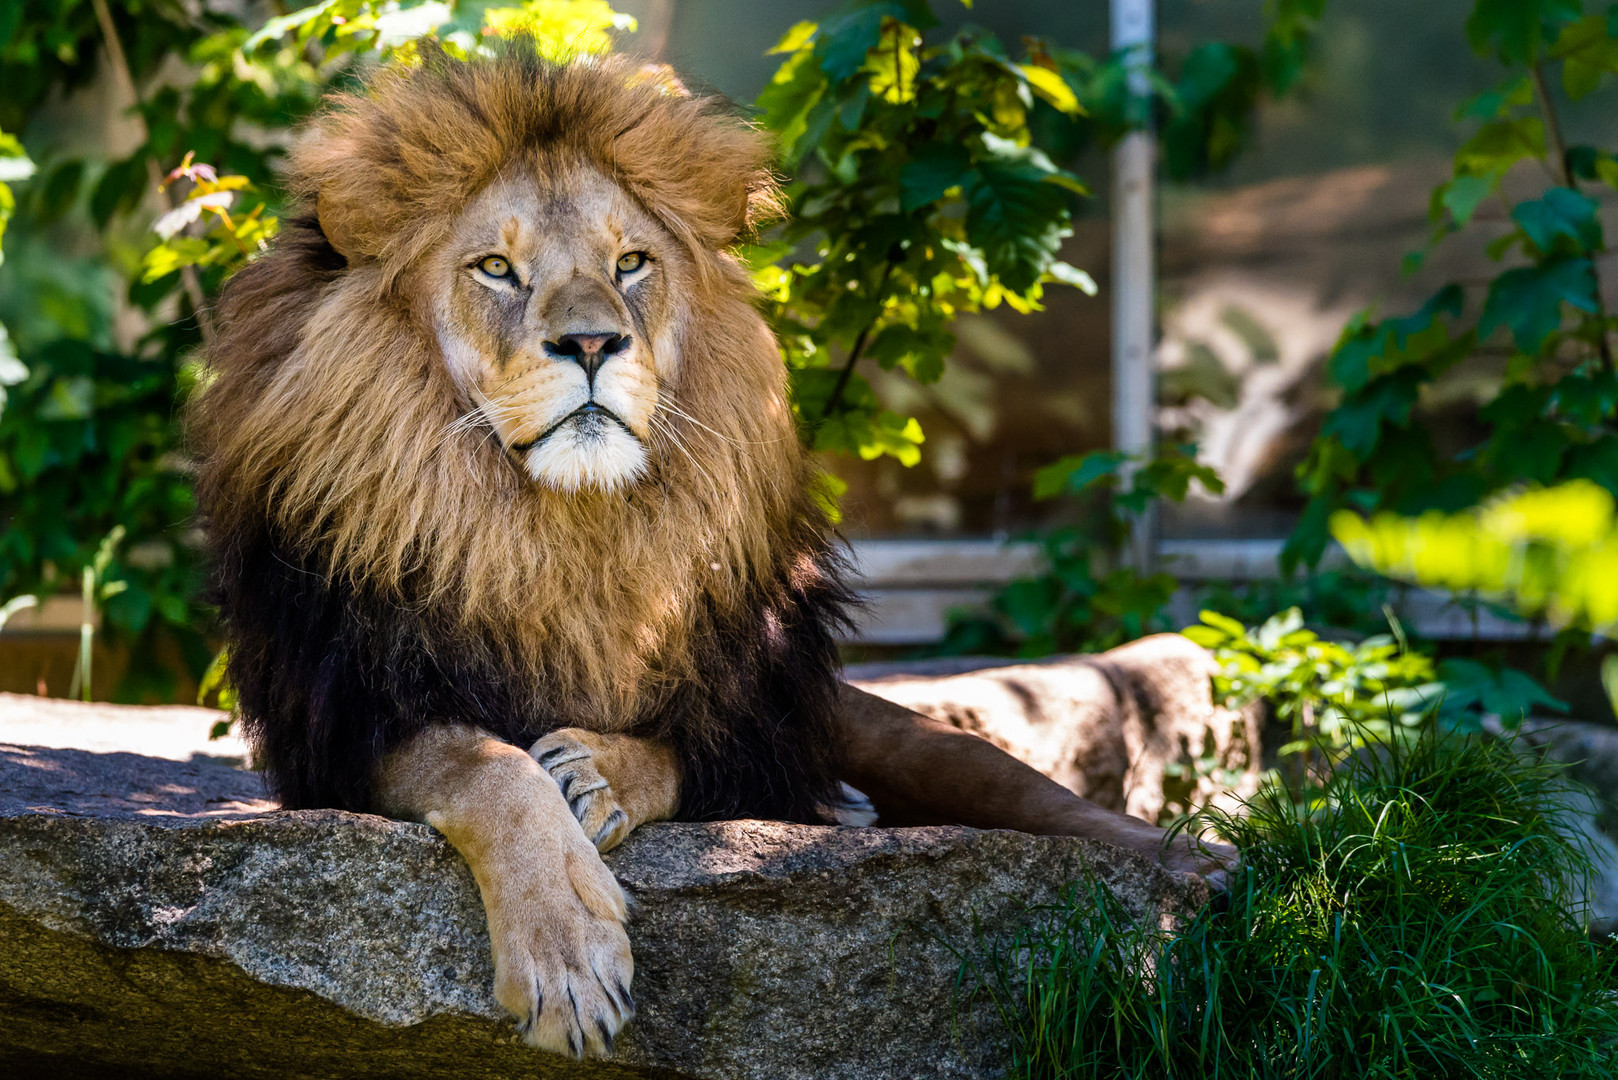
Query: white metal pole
{"points": [[1133, 286]]}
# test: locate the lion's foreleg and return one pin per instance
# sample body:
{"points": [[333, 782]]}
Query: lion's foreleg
{"points": [[917, 770], [561, 957], [613, 783]]}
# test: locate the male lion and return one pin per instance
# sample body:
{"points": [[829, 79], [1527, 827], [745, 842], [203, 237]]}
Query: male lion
{"points": [[512, 524]]}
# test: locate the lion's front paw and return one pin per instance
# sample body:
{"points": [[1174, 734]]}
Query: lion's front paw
{"points": [[561, 956], [568, 759]]}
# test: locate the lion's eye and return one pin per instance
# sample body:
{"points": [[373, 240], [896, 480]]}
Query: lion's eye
{"points": [[634, 260], [495, 267]]}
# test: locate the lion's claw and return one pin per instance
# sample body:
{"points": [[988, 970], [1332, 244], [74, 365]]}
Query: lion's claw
{"points": [[562, 958], [587, 792]]}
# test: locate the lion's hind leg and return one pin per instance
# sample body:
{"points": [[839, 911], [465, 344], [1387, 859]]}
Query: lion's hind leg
{"points": [[613, 783], [556, 915], [921, 771]]}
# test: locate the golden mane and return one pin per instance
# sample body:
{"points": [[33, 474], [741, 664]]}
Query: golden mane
{"points": [[330, 420]]}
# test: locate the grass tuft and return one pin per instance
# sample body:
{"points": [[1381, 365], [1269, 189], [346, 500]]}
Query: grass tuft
{"points": [[1416, 924]]}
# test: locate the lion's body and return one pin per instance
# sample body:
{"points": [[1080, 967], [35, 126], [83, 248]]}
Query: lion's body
{"points": [[383, 567], [512, 527]]}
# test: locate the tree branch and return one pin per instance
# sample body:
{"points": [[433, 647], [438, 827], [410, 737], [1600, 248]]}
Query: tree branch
{"points": [[856, 349], [1553, 128], [154, 172], [1564, 174], [844, 375]]}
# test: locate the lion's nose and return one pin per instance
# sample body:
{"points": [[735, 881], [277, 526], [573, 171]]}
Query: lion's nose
{"points": [[589, 351]]}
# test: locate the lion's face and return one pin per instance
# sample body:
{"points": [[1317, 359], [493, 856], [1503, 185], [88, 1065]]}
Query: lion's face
{"points": [[502, 367], [554, 306]]}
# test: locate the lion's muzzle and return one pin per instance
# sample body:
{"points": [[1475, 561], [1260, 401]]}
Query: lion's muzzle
{"points": [[591, 419]]}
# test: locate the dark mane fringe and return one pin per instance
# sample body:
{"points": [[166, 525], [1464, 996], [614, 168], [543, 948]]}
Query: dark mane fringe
{"points": [[330, 679], [772, 688]]}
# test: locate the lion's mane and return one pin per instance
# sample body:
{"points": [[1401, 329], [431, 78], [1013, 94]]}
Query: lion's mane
{"points": [[379, 569]]}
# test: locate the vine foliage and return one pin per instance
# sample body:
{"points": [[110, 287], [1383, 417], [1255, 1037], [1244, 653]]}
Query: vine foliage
{"points": [[1539, 326]]}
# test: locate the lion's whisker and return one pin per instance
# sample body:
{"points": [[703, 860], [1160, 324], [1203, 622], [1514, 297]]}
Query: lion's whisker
{"points": [[668, 403], [484, 414], [663, 427]]}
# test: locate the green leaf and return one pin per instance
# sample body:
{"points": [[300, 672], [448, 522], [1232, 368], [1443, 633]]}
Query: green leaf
{"points": [[278, 27], [1231, 627], [794, 39], [215, 681], [182, 251], [1563, 220], [1030, 603], [871, 434], [1528, 300], [1589, 52], [70, 398], [1498, 145], [1278, 627], [827, 490], [1462, 195], [1507, 692], [1211, 108], [1206, 72], [1288, 41], [784, 105], [1350, 362], [1498, 101], [899, 437], [1075, 472], [1307, 542], [920, 352], [1358, 421], [8, 203], [1169, 476], [120, 189], [1016, 219], [1515, 31], [1206, 636], [844, 41], [1052, 87], [1072, 275], [932, 170]]}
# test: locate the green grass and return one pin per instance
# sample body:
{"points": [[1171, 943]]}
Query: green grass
{"points": [[1416, 925]]}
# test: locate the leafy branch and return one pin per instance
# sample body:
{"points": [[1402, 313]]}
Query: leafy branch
{"points": [[856, 349], [921, 196], [1552, 418]]}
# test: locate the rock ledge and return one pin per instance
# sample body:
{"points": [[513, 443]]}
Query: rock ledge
{"points": [[158, 920]]}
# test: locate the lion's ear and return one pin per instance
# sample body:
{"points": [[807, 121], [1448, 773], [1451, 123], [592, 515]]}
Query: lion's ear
{"points": [[337, 227], [704, 172], [335, 169]]}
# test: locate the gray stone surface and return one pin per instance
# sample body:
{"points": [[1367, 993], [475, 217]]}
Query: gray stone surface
{"points": [[1590, 751], [179, 732], [158, 920]]}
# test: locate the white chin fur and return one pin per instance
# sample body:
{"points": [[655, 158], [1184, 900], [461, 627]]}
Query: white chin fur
{"points": [[603, 456]]}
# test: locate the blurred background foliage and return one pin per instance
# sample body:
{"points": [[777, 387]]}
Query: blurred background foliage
{"points": [[925, 185], [1542, 317], [1539, 328], [936, 172]]}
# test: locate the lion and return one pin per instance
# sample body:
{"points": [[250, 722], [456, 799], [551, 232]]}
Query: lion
{"points": [[512, 527]]}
